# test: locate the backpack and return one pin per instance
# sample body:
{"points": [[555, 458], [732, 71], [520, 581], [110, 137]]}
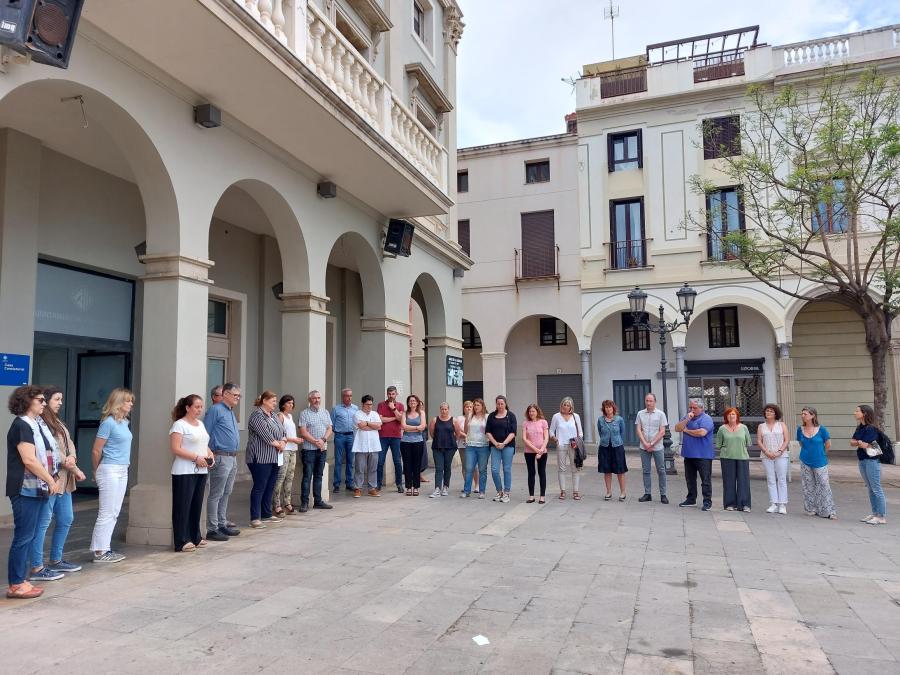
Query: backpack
{"points": [[887, 448]]}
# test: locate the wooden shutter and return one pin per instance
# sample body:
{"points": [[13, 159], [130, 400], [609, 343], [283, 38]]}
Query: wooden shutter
{"points": [[721, 137], [462, 235], [538, 244], [609, 153], [640, 148]]}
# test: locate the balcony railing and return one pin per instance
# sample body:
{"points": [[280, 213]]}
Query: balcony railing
{"points": [[627, 255], [339, 65], [537, 263], [718, 67], [718, 250], [623, 82], [817, 51]]}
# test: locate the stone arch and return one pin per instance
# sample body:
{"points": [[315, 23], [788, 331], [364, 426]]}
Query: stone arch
{"points": [[741, 295], [427, 292], [354, 251], [615, 304]]}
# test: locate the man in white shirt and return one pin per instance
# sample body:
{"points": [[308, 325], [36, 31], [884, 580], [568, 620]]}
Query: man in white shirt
{"points": [[651, 427]]}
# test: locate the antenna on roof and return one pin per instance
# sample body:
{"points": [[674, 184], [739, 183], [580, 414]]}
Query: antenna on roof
{"points": [[612, 13]]}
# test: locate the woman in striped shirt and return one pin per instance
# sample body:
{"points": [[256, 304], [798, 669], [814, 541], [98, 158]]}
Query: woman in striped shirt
{"points": [[265, 442]]}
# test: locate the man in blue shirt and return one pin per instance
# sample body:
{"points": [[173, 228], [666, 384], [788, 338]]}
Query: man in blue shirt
{"points": [[343, 417], [224, 441], [697, 449]]}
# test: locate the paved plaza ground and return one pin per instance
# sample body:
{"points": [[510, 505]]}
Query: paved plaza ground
{"points": [[402, 584]]}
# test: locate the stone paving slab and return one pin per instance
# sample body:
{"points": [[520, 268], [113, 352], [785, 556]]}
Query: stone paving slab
{"points": [[403, 584]]}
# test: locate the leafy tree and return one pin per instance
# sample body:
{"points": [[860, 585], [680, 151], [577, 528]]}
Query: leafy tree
{"points": [[819, 177]]}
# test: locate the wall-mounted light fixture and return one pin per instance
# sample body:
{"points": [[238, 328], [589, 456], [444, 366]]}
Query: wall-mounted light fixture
{"points": [[208, 116], [140, 251], [326, 189], [278, 290]]}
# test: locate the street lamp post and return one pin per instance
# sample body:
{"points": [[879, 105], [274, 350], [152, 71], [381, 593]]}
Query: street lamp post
{"points": [[637, 300]]}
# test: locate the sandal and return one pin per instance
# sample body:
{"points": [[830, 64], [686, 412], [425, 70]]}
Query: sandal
{"points": [[606, 498], [576, 496], [188, 547], [833, 516], [24, 591], [289, 508], [622, 498], [530, 500], [415, 492], [279, 513], [409, 492], [542, 501], [562, 494], [202, 543]]}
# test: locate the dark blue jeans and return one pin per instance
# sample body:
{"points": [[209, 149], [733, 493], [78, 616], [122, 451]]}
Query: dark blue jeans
{"points": [[343, 460], [26, 512], [313, 468], [394, 445], [264, 477]]}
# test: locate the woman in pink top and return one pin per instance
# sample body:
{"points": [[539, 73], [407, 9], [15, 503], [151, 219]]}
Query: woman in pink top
{"points": [[535, 434]]}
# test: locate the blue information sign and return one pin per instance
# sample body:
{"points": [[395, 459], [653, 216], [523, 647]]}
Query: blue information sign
{"points": [[14, 369]]}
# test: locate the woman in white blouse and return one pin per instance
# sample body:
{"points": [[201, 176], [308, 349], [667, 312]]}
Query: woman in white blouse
{"points": [[189, 443], [281, 500], [565, 427], [772, 437]]}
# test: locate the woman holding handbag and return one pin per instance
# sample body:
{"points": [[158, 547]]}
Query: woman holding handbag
{"points": [[566, 431], [869, 455]]}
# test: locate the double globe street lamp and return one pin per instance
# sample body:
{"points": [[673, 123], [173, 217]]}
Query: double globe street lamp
{"points": [[637, 300]]}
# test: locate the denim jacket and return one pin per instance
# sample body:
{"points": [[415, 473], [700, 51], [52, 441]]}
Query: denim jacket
{"points": [[611, 433]]}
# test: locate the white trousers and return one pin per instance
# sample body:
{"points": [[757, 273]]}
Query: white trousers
{"points": [[776, 478], [112, 481], [565, 464]]}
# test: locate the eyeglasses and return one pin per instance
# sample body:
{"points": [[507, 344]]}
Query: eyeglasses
{"points": [[40, 399]]}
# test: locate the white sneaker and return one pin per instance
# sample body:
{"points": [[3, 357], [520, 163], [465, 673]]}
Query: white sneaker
{"points": [[782, 509], [464, 495], [505, 498], [773, 508], [746, 509], [481, 495], [445, 492], [497, 497], [866, 519], [436, 493]]}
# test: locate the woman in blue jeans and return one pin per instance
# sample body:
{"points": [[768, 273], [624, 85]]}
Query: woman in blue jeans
{"points": [[58, 506], [501, 434], [477, 448], [869, 467]]}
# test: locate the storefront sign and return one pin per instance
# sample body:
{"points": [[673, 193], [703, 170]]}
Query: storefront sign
{"points": [[454, 371], [725, 367], [14, 369]]}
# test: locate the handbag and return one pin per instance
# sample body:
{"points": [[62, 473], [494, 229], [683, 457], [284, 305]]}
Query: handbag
{"points": [[578, 444], [874, 450]]}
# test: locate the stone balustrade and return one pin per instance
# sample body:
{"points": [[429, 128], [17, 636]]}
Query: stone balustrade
{"points": [[817, 51], [346, 72]]}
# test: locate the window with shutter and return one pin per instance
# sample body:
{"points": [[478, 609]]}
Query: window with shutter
{"points": [[625, 151], [537, 172], [462, 181], [721, 137], [724, 214], [538, 245], [627, 243], [723, 327], [462, 233]]}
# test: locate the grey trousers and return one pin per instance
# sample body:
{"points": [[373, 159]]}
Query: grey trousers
{"points": [[221, 482], [365, 465], [659, 457]]}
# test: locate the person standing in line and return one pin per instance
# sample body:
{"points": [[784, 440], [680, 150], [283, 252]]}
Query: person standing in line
{"points": [[391, 415], [58, 506], [224, 441], [651, 424], [459, 428], [772, 438], [29, 482], [414, 424], [215, 395], [316, 429], [343, 416], [611, 448], [535, 436], [696, 430], [477, 449], [265, 441], [815, 442], [284, 484], [500, 430], [111, 456], [565, 428], [733, 442], [443, 447], [189, 443], [864, 436], [366, 448]]}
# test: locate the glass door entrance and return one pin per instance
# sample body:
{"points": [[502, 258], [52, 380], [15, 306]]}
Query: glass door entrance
{"points": [[98, 374]]}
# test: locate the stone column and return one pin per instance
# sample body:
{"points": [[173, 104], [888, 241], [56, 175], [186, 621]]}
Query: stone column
{"points": [[587, 413], [439, 348], [173, 364], [20, 179], [786, 394], [303, 323], [493, 375], [680, 381], [895, 379]]}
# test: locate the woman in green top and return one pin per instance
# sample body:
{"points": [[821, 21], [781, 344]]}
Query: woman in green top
{"points": [[732, 441]]}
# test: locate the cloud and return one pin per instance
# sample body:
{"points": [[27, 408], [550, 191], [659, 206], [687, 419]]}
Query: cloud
{"points": [[514, 53]]}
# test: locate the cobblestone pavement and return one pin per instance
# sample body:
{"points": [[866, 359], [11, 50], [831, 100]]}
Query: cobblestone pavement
{"points": [[403, 584]]}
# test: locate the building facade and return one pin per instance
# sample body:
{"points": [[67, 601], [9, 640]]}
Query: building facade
{"points": [[140, 249], [639, 139]]}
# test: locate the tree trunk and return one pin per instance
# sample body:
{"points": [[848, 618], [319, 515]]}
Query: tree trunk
{"points": [[878, 342]]}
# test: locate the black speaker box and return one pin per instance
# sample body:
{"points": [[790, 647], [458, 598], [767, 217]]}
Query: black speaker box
{"points": [[42, 29], [399, 237]]}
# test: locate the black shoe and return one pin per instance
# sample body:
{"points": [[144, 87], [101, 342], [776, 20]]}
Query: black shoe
{"points": [[706, 506], [400, 489], [687, 503], [230, 531], [663, 499], [216, 535], [322, 505], [645, 498], [304, 508], [336, 488]]}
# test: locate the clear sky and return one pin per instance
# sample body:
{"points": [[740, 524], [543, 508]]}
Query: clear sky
{"points": [[514, 53]]}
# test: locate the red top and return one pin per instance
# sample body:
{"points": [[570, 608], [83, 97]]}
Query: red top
{"points": [[389, 429]]}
